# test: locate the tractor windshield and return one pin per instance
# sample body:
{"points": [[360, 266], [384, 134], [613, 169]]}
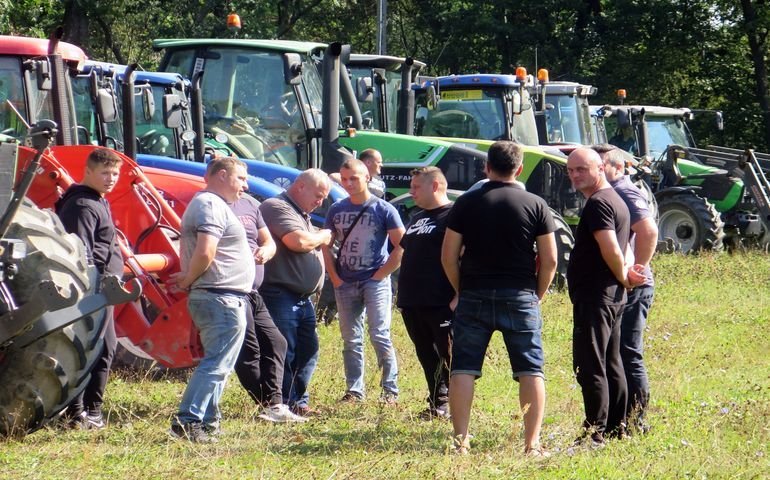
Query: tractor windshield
{"points": [[665, 131], [87, 118], [470, 113], [249, 107], [568, 119]]}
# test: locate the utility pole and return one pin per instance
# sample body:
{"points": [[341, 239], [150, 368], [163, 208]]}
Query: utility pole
{"points": [[382, 27]]}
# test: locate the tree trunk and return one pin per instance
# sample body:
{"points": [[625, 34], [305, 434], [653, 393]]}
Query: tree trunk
{"points": [[76, 25], [758, 45]]}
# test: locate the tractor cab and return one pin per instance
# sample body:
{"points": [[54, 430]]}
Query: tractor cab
{"points": [[383, 89], [28, 89], [479, 106], [567, 116]]}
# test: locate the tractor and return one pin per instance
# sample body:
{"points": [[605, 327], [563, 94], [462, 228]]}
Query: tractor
{"points": [[698, 190], [51, 301]]}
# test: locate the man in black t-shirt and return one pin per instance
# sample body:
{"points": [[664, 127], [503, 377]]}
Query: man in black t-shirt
{"points": [[598, 275], [424, 292], [496, 229]]}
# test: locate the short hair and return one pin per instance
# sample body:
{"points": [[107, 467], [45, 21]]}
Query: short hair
{"points": [[354, 164], [228, 164], [369, 154], [103, 156], [432, 174], [505, 157], [617, 157], [315, 177]]}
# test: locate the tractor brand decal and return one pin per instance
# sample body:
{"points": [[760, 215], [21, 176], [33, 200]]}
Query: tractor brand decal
{"points": [[434, 156], [461, 95], [282, 182], [396, 178]]}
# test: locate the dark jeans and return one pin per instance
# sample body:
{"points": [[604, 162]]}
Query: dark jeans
{"points": [[597, 365], [294, 316], [91, 398], [260, 363], [632, 349], [430, 329]]}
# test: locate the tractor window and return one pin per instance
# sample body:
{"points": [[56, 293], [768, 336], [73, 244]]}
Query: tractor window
{"points": [[466, 114], [568, 119], [392, 85], [524, 128], [153, 137], [665, 131], [11, 93]]}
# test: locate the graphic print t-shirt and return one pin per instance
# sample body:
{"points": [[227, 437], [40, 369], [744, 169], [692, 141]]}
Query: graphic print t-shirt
{"points": [[422, 282], [366, 248]]}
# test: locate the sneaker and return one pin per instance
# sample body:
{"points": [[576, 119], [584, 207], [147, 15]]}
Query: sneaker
{"points": [[213, 430], [192, 432], [431, 413], [84, 421], [351, 397], [389, 398], [280, 414], [462, 445]]}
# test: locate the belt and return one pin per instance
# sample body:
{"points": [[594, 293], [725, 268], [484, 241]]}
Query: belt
{"points": [[224, 291]]}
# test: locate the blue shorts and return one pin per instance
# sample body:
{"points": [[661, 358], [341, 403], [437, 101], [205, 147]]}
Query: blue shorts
{"points": [[514, 313]]}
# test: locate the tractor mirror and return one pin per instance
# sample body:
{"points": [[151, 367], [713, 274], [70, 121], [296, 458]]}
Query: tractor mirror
{"points": [[720, 121], [148, 103], [516, 103], [43, 70], [292, 68], [364, 91], [623, 118], [172, 111], [106, 105], [431, 98]]}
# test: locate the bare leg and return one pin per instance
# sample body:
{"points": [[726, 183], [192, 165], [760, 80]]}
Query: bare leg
{"points": [[532, 401], [460, 400]]}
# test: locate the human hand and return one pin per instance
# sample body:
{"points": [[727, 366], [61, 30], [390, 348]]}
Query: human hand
{"points": [[636, 275], [174, 284], [326, 236], [453, 303]]}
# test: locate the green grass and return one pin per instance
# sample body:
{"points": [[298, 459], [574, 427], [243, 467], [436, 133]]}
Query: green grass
{"points": [[708, 355]]}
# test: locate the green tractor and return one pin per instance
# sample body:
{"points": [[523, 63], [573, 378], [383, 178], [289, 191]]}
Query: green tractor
{"points": [[698, 190]]}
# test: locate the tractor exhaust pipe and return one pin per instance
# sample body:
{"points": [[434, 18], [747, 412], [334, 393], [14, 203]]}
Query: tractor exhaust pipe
{"points": [[405, 115], [332, 154], [197, 116], [129, 113]]}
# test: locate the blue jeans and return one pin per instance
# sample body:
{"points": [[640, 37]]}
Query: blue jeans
{"points": [[632, 348], [221, 321], [376, 296], [295, 318], [513, 312]]}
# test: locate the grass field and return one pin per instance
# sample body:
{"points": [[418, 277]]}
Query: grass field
{"points": [[708, 355]]}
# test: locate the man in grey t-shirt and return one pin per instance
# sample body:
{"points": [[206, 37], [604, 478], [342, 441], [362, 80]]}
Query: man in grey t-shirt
{"points": [[292, 276], [213, 250]]}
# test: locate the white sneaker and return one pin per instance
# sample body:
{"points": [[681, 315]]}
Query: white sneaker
{"points": [[280, 414]]}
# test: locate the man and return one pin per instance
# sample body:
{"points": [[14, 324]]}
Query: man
{"points": [[644, 239], [260, 363], [217, 267], [373, 161], [424, 292], [293, 276], [598, 276], [85, 212], [499, 287], [360, 272]]}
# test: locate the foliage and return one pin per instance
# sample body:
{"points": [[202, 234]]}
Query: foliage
{"points": [[703, 54]]}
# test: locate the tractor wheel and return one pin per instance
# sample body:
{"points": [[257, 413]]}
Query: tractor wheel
{"points": [[565, 242], [41, 379], [691, 222]]}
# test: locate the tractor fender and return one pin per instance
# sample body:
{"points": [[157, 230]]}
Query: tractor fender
{"points": [[671, 191]]}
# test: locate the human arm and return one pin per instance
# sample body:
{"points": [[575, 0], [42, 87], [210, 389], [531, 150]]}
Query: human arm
{"points": [[394, 259], [613, 255], [302, 242], [645, 240], [546, 252], [202, 256], [450, 260], [331, 264], [266, 249]]}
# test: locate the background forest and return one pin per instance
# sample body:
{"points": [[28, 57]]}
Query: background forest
{"points": [[702, 54]]}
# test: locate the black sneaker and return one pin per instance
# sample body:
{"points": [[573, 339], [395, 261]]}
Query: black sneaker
{"points": [[84, 421], [593, 440], [213, 430], [430, 413], [192, 432]]}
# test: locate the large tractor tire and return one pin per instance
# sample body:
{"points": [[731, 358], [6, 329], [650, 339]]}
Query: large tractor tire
{"points": [[690, 221], [39, 380], [565, 242]]}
